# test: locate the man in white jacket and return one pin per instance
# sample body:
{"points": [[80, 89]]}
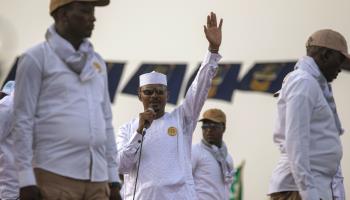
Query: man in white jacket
{"points": [[65, 143], [165, 165], [212, 165], [308, 128], [9, 189]]}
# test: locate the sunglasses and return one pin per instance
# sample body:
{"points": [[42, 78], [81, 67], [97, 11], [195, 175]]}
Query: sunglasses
{"points": [[212, 126], [157, 91]]}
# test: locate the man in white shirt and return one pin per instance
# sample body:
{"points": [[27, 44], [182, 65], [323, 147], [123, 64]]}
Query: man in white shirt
{"points": [[212, 165], [165, 164], [8, 175], [308, 128], [65, 143]]}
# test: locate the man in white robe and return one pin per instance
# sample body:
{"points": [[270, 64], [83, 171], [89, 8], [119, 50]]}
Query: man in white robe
{"points": [[308, 127], [165, 166]]}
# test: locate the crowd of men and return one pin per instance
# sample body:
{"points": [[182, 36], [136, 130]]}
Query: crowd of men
{"points": [[57, 140]]}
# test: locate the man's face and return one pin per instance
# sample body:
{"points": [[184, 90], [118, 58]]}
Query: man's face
{"points": [[331, 66], [213, 132], [80, 18], [154, 96]]}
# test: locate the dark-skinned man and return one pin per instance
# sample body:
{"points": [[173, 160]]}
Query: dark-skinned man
{"points": [[165, 166], [308, 128], [212, 165], [62, 112]]}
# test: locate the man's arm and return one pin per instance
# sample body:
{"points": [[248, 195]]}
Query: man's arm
{"points": [[111, 147], [199, 88], [127, 148], [28, 83], [5, 118], [299, 108]]}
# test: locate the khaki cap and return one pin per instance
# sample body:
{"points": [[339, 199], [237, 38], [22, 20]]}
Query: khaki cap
{"points": [[330, 39], [215, 115], [54, 4]]}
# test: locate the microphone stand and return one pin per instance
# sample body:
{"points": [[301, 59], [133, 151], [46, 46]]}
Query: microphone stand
{"points": [[139, 162]]}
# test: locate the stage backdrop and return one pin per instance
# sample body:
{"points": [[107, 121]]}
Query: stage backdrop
{"points": [[163, 31]]}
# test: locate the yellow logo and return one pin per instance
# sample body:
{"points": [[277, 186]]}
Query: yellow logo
{"points": [[172, 131], [97, 66]]}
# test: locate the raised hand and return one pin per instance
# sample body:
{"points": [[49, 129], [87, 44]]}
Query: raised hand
{"points": [[213, 33]]}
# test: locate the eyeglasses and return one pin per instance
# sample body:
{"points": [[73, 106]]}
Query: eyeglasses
{"points": [[212, 126], [150, 92]]}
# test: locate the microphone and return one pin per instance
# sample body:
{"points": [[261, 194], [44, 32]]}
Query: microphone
{"points": [[147, 124], [151, 109]]}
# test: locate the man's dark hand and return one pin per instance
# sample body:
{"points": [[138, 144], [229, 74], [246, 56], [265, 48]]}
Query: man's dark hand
{"points": [[145, 119], [31, 192], [115, 191], [213, 33]]}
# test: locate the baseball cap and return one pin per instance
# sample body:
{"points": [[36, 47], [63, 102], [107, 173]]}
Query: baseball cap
{"points": [[54, 4], [8, 88], [330, 39], [215, 115]]}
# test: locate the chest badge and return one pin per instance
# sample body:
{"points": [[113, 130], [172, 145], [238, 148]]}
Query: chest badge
{"points": [[97, 66], [172, 131]]}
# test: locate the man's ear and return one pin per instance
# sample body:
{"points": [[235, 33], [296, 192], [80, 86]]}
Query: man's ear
{"points": [[139, 93], [325, 55]]}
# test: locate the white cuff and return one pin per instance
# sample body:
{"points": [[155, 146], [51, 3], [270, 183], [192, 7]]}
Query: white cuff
{"points": [[212, 59], [113, 175], [26, 178], [135, 141]]}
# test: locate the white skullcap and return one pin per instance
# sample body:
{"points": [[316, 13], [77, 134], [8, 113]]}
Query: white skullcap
{"points": [[152, 78], [9, 87]]}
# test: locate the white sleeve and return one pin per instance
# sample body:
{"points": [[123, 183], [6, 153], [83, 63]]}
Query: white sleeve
{"points": [[28, 84], [299, 106], [198, 91], [127, 149], [111, 146], [5, 118], [338, 185]]}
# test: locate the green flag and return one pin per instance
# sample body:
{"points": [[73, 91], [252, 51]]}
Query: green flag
{"points": [[236, 192]]}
